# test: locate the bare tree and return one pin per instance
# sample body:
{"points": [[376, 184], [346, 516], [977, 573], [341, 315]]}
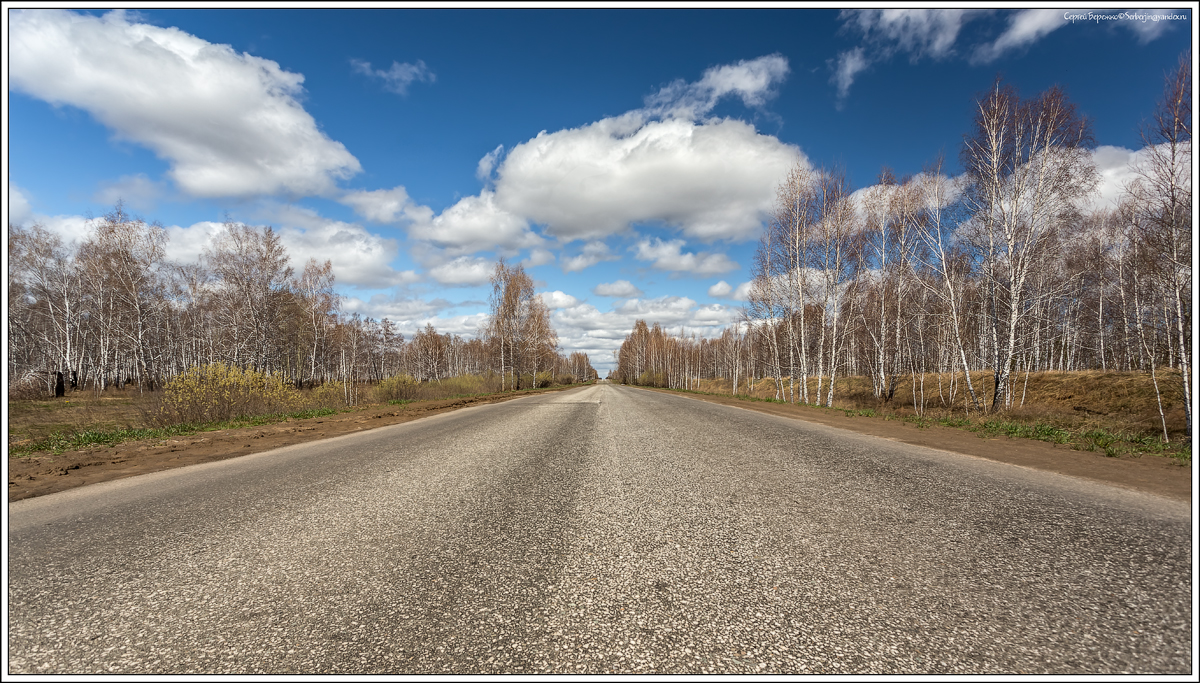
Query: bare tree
{"points": [[1027, 162], [1163, 201], [251, 265]]}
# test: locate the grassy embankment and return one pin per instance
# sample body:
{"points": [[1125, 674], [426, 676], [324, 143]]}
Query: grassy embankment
{"points": [[1114, 413], [209, 401]]}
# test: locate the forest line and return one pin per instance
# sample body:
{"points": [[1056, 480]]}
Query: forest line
{"points": [[113, 310], [998, 271]]}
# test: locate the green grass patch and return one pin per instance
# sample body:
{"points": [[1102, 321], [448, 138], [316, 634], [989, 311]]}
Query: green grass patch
{"points": [[60, 441], [1040, 431]]}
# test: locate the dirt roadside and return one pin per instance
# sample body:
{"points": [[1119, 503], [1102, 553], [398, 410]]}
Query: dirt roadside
{"points": [[1149, 474], [37, 476]]}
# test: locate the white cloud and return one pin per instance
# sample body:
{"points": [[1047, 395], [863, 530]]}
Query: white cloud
{"points": [[592, 253], [849, 65], [720, 290], [712, 181], [585, 328], [136, 191], [621, 289], [70, 228], [186, 245], [1146, 27], [19, 209], [380, 206], [400, 310], [399, 77], [723, 290], [1024, 28], [557, 299], [360, 258], [474, 224], [483, 171], [919, 32], [742, 293], [229, 124], [669, 256], [463, 271], [1115, 166], [537, 257], [751, 80]]}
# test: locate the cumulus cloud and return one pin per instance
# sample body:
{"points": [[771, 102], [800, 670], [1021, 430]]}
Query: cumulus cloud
{"points": [[464, 271], [537, 257], [621, 289], [557, 299], [380, 206], [592, 253], [19, 210], [228, 124], [1024, 28], [70, 228], [669, 256], [137, 191], [411, 314], [399, 77], [483, 170], [360, 258], [582, 327], [720, 290], [474, 224], [402, 310], [742, 293], [723, 290], [710, 179]]}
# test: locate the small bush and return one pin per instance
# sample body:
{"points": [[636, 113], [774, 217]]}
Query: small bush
{"points": [[398, 388], [329, 396], [219, 392]]}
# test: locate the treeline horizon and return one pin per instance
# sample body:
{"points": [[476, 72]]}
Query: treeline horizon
{"points": [[113, 310], [1003, 273]]}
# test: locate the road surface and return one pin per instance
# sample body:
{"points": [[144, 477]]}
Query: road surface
{"points": [[604, 529]]}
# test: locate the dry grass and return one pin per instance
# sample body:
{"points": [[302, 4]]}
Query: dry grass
{"points": [[122, 414], [35, 420], [1114, 412]]}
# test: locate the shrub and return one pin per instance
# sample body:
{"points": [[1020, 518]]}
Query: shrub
{"points": [[398, 388], [218, 392], [330, 395]]}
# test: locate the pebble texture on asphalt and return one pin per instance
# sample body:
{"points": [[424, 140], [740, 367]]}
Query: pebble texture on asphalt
{"points": [[600, 530]]}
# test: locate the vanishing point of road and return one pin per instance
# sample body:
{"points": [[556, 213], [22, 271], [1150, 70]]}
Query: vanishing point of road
{"points": [[600, 530]]}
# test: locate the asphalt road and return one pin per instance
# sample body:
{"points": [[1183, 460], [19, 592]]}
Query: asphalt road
{"points": [[605, 529]]}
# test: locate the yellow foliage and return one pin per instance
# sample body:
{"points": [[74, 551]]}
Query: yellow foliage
{"points": [[218, 392]]}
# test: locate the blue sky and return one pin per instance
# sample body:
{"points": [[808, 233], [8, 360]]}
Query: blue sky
{"points": [[625, 156]]}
